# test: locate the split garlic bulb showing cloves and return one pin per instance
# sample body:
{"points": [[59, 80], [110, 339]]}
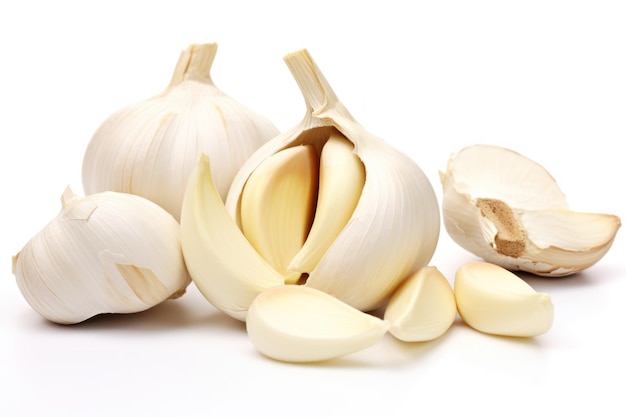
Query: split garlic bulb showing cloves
{"points": [[509, 210], [150, 147], [105, 253], [325, 204]]}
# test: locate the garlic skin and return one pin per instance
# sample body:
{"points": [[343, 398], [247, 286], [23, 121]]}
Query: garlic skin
{"points": [[393, 229], [508, 210], [423, 308], [149, 148], [295, 323], [493, 300], [105, 253]]}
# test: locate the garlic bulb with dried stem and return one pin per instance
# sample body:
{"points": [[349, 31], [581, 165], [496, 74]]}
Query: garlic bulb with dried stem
{"points": [[150, 147], [325, 204]]}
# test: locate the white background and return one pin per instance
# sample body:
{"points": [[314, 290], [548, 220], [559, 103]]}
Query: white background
{"points": [[545, 78]]}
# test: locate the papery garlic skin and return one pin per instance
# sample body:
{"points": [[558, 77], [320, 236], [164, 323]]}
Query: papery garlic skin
{"points": [[294, 323], [149, 148], [493, 300], [394, 227], [105, 253], [509, 210]]}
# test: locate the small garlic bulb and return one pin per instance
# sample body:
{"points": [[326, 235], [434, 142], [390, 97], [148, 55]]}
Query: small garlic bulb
{"points": [[509, 210], [149, 148], [326, 204], [105, 253]]}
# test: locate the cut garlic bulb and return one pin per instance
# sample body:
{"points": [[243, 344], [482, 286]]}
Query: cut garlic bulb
{"points": [[105, 253], [149, 148], [377, 213], [300, 324], [493, 300], [422, 308], [509, 210]]}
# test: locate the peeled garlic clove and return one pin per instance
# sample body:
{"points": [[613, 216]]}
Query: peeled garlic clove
{"points": [[493, 300], [105, 253], [225, 267], [278, 199], [508, 210], [392, 228], [422, 308], [149, 148], [300, 324]]}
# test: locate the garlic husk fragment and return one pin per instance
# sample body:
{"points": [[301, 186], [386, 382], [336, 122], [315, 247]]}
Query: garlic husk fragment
{"points": [[224, 266], [509, 210], [105, 253], [422, 308], [493, 300], [394, 227], [149, 148], [295, 323]]}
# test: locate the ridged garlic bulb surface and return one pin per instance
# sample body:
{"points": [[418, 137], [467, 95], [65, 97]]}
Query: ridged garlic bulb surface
{"points": [[150, 147], [105, 253], [387, 211]]}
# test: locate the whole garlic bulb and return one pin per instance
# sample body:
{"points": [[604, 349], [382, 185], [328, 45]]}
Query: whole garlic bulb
{"points": [[150, 147], [372, 220], [509, 210], [105, 253]]}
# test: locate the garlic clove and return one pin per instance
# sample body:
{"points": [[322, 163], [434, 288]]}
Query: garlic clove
{"points": [[507, 209], [342, 176], [104, 253], [149, 148], [493, 300], [422, 308], [394, 227], [278, 201], [225, 267], [295, 323]]}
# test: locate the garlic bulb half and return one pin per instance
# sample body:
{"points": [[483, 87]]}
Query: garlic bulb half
{"points": [[325, 204], [149, 148], [509, 210], [105, 253]]}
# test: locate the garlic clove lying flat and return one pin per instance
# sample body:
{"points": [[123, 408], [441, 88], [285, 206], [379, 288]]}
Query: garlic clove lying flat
{"points": [[225, 267], [294, 323], [422, 308], [507, 209], [150, 147], [493, 300], [104, 253]]}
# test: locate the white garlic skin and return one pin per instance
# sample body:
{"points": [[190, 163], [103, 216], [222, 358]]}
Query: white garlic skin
{"points": [[508, 210], [149, 148], [105, 253]]}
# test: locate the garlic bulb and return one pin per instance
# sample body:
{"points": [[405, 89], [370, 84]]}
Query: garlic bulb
{"points": [[294, 323], [493, 300], [105, 253], [325, 204], [149, 148], [509, 210]]}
